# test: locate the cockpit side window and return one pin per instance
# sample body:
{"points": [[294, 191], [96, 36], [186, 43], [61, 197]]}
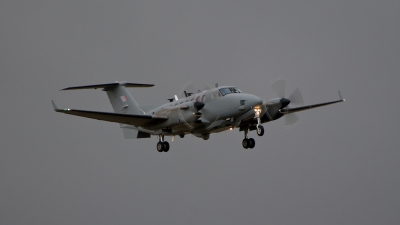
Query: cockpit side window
{"points": [[235, 90], [225, 91]]}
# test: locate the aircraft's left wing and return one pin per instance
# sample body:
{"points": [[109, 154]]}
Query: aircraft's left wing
{"points": [[131, 119], [307, 107]]}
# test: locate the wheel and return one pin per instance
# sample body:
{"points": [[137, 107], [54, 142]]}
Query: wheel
{"points": [[160, 146], [245, 143], [166, 146], [252, 143], [260, 130], [181, 135]]}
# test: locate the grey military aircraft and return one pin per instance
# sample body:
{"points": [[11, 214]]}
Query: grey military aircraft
{"points": [[200, 114]]}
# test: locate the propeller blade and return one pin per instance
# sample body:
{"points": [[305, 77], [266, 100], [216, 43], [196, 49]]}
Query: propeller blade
{"points": [[291, 120], [297, 97], [193, 88], [184, 89], [206, 87], [278, 86], [190, 88]]}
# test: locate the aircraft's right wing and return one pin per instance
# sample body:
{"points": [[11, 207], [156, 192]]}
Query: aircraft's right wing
{"points": [[131, 119]]}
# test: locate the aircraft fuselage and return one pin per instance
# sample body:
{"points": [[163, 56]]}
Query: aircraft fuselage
{"points": [[219, 109]]}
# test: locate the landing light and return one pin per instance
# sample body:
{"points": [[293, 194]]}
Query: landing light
{"points": [[257, 110]]}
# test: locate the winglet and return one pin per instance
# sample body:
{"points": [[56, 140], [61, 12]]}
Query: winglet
{"points": [[341, 97], [54, 106]]}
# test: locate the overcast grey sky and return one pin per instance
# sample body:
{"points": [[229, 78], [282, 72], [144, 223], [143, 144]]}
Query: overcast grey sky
{"points": [[339, 165]]}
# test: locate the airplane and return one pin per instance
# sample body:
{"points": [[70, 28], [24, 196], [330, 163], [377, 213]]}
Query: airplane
{"points": [[200, 114]]}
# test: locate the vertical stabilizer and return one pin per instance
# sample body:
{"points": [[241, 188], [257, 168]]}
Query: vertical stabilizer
{"points": [[122, 101]]}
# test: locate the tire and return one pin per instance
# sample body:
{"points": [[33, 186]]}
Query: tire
{"points": [[260, 131], [166, 146], [252, 143], [245, 143], [160, 146]]}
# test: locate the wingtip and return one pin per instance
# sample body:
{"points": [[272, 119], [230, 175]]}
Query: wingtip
{"points": [[54, 106], [341, 97]]}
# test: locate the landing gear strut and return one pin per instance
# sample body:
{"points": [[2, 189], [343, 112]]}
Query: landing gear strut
{"points": [[248, 142], [162, 146], [260, 129]]}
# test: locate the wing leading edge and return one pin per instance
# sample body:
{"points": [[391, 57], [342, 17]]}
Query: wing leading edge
{"points": [[131, 119]]}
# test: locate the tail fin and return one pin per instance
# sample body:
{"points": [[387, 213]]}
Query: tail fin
{"points": [[120, 98], [122, 101]]}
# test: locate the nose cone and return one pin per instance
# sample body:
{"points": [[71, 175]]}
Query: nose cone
{"points": [[254, 100], [285, 102], [244, 101], [258, 100]]}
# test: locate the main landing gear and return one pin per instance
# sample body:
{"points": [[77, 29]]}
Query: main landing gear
{"points": [[248, 142], [162, 146]]}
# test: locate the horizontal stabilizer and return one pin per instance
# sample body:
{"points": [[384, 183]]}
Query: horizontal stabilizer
{"points": [[109, 85], [131, 119]]}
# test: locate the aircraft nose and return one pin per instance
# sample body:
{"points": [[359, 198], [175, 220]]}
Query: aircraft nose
{"points": [[255, 100]]}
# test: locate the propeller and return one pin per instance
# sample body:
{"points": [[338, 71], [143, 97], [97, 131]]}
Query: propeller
{"points": [[295, 99], [192, 88], [198, 106]]}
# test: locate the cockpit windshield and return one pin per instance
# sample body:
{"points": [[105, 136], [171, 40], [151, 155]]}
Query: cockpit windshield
{"points": [[225, 91]]}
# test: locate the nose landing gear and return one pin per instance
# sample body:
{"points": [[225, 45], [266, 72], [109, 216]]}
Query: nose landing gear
{"points": [[249, 142], [260, 129]]}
